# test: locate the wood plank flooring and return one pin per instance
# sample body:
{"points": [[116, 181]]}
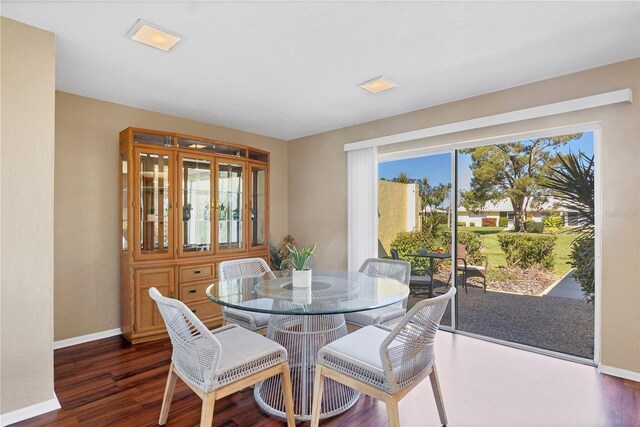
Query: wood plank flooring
{"points": [[111, 383]]}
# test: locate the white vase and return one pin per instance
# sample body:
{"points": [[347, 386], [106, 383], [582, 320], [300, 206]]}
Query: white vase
{"points": [[301, 278]]}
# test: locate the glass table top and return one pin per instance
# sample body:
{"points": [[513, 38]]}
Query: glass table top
{"points": [[331, 292]]}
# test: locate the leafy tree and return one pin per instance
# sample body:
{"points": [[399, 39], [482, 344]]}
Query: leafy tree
{"points": [[513, 171]]}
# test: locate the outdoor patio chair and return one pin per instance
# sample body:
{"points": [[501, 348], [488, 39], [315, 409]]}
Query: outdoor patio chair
{"points": [[241, 269], [377, 267], [469, 271], [420, 277], [386, 364], [217, 363]]}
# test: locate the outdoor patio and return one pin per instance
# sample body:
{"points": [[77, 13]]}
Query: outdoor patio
{"points": [[559, 324]]}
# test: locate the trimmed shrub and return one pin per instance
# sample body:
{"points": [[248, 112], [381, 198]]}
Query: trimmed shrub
{"points": [[473, 244], [503, 222], [461, 224], [472, 224], [489, 222], [552, 224], [583, 260], [528, 250], [533, 227], [409, 242]]}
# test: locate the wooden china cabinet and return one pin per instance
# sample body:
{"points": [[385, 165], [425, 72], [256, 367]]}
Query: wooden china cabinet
{"points": [[186, 203]]}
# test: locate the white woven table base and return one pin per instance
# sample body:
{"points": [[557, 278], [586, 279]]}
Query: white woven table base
{"points": [[303, 336]]}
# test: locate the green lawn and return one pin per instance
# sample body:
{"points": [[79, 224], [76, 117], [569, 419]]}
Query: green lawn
{"points": [[496, 255]]}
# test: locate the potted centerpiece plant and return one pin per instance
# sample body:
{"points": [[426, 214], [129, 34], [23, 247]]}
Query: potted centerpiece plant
{"points": [[297, 261], [186, 212]]}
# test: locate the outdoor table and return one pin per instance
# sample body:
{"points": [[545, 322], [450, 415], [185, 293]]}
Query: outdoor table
{"points": [[303, 320], [431, 256]]}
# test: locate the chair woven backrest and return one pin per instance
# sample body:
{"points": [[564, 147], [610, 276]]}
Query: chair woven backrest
{"points": [[244, 268], [196, 352], [394, 269], [461, 249], [408, 351]]}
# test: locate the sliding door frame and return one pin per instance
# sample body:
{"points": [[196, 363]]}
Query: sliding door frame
{"points": [[453, 148]]}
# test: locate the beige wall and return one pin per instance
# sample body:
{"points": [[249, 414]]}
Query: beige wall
{"points": [[318, 182], [26, 181], [86, 203], [393, 202]]}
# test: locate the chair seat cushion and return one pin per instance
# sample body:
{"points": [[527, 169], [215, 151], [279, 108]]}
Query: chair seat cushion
{"points": [[420, 280], [471, 267], [376, 316], [358, 355], [248, 319], [244, 353]]}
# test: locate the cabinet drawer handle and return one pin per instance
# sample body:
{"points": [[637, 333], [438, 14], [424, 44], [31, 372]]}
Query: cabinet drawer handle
{"points": [[191, 291], [196, 272]]}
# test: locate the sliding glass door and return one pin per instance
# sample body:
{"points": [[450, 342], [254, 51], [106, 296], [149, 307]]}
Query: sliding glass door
{"points": [[414, 221], [522, 216], [525, 232]]}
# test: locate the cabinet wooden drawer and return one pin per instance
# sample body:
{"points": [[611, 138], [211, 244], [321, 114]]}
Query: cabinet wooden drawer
{"points": [[197, 272], [193, 292], [205, 310]]}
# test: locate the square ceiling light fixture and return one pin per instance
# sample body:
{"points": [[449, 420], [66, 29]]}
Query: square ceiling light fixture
{"points": [[378, 84], [153, 35]]}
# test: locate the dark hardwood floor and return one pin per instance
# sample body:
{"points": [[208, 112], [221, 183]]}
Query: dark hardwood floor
{"points": [[111, 383]]}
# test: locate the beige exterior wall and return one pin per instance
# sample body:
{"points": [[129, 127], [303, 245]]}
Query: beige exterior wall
{"points": [[318, 182], [86, 203], [26, 180], [393, 203]]}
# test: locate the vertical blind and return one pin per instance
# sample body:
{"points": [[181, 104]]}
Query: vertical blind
{"points": [[362, 206]]}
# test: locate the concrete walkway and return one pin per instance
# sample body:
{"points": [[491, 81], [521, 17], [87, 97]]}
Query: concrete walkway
{"points": [[568, 287]]}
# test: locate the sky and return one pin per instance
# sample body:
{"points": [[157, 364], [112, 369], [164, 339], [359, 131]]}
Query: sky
{"points": [[437, 168]]}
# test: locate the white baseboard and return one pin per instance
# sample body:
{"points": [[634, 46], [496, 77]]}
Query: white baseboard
{"points": [[86, 338], [30, 411], [618, 372]]}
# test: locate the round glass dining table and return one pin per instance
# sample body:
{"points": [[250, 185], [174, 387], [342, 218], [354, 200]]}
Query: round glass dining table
{"points": [[303, 320]]}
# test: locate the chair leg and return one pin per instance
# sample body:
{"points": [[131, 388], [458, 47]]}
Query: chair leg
{"points": [[208, 405], [437, 394], [288, 397], [464, 279], [168, 395], [318, 385], [392, 412]]}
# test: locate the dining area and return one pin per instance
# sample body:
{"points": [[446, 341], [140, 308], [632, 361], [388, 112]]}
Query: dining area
{"points": [[309, 345]]}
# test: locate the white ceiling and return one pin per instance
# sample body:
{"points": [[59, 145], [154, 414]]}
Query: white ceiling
{"points": [[290, 69]]}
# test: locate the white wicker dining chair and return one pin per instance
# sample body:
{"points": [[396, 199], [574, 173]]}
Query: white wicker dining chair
{"points": [[217, 363], [386, 364], [379, 267], [247, 268]]}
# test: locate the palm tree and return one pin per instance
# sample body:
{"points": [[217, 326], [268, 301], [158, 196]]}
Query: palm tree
{"points": [[573, 184]]}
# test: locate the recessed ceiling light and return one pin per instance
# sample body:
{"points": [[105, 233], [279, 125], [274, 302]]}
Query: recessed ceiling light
{"points": [[378, 84], [153, 35]]}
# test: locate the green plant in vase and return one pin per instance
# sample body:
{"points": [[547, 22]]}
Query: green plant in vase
{"points": [[297, 261]]}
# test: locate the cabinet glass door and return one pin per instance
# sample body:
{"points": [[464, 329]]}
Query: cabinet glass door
{"points": [[195, 205], [230, 205], [124, 200], [257, 206], [154, 217]]}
